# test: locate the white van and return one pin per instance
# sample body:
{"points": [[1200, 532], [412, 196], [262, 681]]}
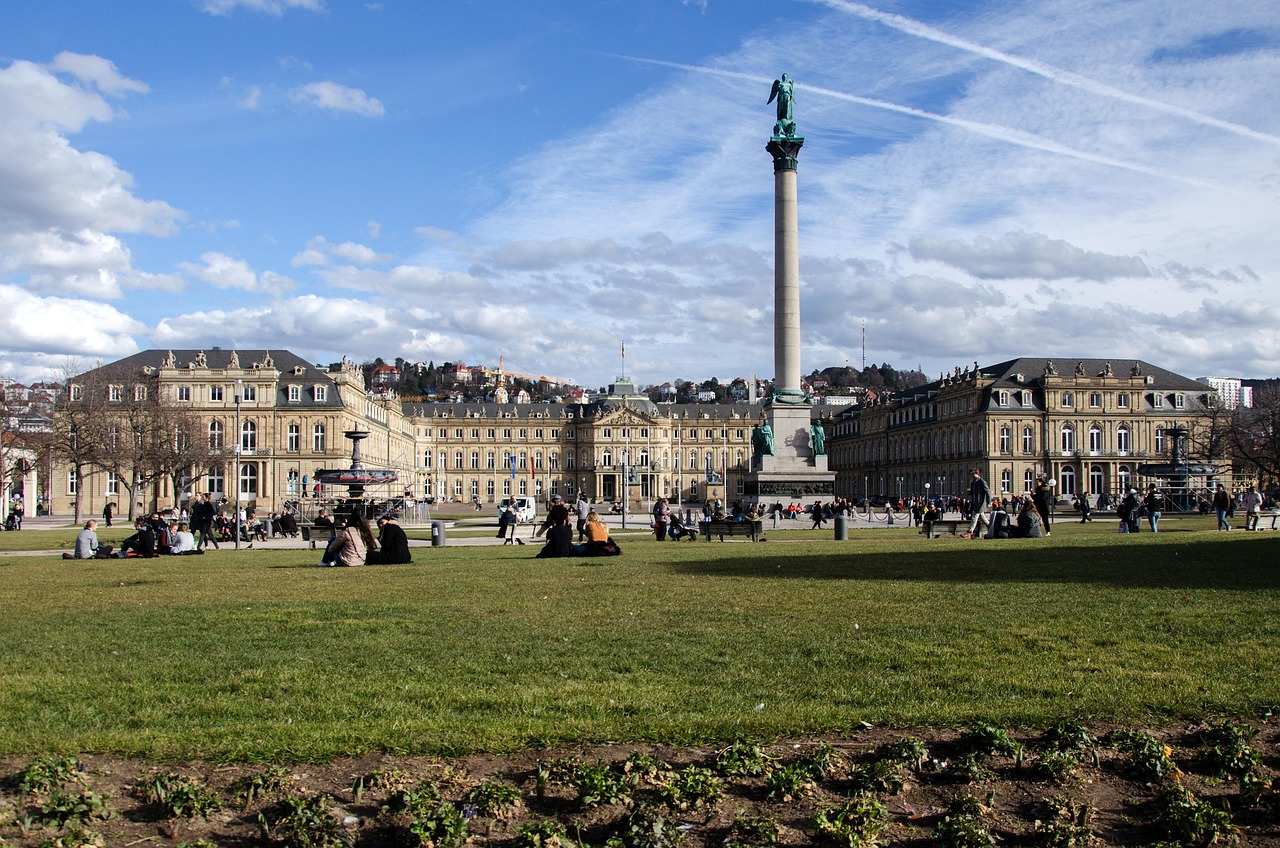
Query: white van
{"points": [[526, 508]]}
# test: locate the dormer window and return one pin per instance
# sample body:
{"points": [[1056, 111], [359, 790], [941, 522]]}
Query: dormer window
{"points": [[295, 394], [114, 393], [321, 393]]}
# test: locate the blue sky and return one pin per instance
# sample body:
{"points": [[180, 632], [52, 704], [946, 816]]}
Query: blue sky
{"points": [[544, 181]]}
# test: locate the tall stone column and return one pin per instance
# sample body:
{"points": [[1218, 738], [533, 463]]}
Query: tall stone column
{"points": [[786, 268]]}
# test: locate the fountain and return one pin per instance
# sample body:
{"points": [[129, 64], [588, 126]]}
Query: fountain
{"points": [[1178, 470], [356, 477]]}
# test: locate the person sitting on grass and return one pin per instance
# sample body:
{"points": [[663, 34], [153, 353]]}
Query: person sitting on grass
{"points": [[560, 539], [1029, 525], [142, 543], [350, 547], [393, 542], [184, 541], [87, 546], [598, 541]]}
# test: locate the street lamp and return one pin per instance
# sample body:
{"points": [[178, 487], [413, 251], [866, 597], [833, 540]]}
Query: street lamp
{"points": [[239, 446], [626, 484]]}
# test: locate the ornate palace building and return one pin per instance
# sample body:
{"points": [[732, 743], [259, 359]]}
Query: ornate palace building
{"points": [[1085, 425], [288, 417]]}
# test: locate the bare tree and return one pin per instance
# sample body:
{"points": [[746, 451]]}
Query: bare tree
{"points": [[1255, 434], [80, 426], [179, 447]]}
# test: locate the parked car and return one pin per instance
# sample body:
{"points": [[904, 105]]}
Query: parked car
{"points": [[526, 508]]}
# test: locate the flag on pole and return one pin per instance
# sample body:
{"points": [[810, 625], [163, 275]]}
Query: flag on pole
{"points": [[513, 467]]}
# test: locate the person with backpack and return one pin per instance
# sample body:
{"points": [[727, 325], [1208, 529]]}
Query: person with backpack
{"points": [[1127, 512], [1153, 503]]}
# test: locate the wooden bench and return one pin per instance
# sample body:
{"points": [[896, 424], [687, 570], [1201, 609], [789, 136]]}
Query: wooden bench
{"points": [[306, 535], [952, 524], [732, 528]]}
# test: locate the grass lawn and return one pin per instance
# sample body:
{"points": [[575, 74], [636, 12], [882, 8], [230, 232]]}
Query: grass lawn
{"points": [[259, 655]]}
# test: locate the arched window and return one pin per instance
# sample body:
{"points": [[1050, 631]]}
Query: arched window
{"points": [[1068, 439], [249, 479], [1124, 479], [1095, 439], [457, 463], [318, 438], [1124, 442], [1006, 481], [1068, 476], [426, 459], [293, 442], [216, 435], [1028, 480], [1028, 440], [1006, 440], [568, 461], [490, 462], [249, 436], [1160, 446], [475, 465], [1097, 480], [554, 459]]}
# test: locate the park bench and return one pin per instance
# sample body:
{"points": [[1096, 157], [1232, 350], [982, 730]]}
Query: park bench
{"points": [[732, 528], [306, 535], [952, 524]]}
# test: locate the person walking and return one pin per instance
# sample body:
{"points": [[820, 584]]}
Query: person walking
{"points": [[979, 497], [1222, 505], [1251, 503], [1153, 503], [583, 510], [202, 521], [1086, 512]]}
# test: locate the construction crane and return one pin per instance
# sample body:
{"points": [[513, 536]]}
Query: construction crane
{"points": [[502, 374]]}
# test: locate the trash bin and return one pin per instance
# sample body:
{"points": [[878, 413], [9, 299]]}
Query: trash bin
{"points": [[437, 534], [842, 528]]}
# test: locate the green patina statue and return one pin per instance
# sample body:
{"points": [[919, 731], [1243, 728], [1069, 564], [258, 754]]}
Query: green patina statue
{"points": [[818, 440], [784, 91], [762, 440]]}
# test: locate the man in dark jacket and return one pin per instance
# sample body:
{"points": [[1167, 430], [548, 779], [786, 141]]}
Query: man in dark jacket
{"points": [[202, 522], [142, 543], [393, 544], [979, 497]]}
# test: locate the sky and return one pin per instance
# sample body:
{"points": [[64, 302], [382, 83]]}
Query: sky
{"points": [[550, 180]]}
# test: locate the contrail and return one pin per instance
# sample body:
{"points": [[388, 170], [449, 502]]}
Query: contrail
{"points": [[922, 30], [994, 131]]}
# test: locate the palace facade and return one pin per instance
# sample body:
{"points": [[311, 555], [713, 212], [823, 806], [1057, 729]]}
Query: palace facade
{"points": [[1084, 425], [287, 418]]}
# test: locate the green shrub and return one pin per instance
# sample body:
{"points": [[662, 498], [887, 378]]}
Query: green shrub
{"points": [[62, 807], [789, 782], [857, 824], [258, 786], [178, 796], [1189, 820], [752, 831], [48, 772], [599, 784], [1066, 825], [495, 799], [306, 823], [1228, 751], [909, 752], [966, 825], [692, 787], [1149, 758], [543, 834], [647, 827], [741, 759]]}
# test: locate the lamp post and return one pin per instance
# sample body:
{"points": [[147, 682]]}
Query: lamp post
{"points": [[239, 446], [626, 486]]}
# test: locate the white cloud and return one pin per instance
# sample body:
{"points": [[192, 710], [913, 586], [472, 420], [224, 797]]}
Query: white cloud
{"points": [[226, 272], [30, 324], [1022, 255], [320, 251], [275, 8], [338, 98]]}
